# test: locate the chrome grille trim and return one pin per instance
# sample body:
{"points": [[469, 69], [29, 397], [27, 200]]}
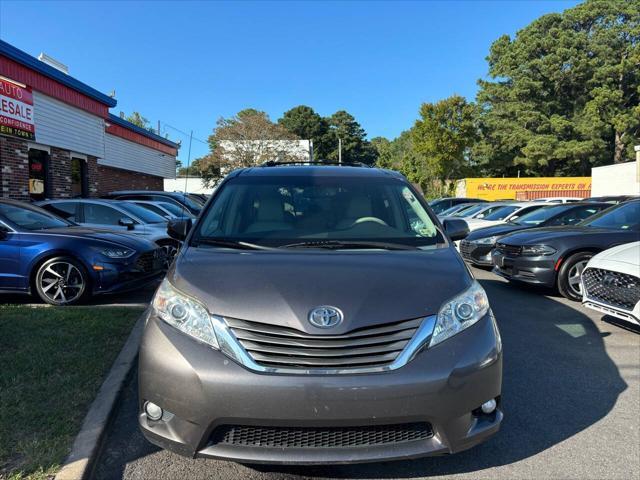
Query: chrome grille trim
{"points": [[274, 346], [623, 292], [232, 348]]}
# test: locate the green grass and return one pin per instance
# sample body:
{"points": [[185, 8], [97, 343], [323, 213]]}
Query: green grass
{"points": [[52, 363]]}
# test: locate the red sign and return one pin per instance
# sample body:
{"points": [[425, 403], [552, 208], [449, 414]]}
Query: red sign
{"points": [[16, 110]]}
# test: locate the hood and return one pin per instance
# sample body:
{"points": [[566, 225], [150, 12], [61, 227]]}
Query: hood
{"points": [[502, 229], [549, 234], [281, 288], [627, 253], [122, 239]]}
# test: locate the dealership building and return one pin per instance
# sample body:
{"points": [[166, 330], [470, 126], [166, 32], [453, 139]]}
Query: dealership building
{"points": [[59, 140]]}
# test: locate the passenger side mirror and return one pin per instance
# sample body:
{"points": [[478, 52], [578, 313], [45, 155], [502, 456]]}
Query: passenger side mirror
{"points": [[178, 228], [455, 228], [127, 222]]}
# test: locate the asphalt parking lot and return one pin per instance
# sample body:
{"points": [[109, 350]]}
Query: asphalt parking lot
{"points": [[571, 396]]}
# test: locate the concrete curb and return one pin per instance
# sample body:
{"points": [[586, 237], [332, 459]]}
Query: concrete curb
{"points": [[86, 445]]}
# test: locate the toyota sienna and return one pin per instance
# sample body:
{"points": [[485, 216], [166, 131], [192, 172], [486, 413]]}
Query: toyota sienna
{"points": [[319, 314]]}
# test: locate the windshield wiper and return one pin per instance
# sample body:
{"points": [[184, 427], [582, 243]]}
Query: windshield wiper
{"points": [[346, 244], [218, 242]]}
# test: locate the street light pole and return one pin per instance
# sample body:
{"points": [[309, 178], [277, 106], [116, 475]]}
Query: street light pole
{"points": [[339, 150]]}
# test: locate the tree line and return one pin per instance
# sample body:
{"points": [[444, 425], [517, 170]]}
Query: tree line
{"points": [[560, 97]]}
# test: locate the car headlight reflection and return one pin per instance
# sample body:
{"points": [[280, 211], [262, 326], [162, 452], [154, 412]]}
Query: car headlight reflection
{"points": [[184, 313], [487, 240], [460, 313]]}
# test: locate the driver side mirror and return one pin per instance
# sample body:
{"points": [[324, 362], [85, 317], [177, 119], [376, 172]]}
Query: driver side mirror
{"points": [[456, 228], [179, 228], [127, 222]]}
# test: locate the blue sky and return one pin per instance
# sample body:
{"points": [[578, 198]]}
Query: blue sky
{"points": [[188, 63]]}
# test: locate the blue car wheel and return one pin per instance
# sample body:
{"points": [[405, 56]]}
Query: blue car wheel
{"points": [[62, 281]]}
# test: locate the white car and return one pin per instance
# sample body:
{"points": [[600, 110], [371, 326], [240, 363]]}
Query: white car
{"points": [[510, 211], [559, 199], [611, 282]]}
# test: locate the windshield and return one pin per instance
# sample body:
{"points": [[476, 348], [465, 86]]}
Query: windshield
{"points": [[625, 216], [32, 218], [175, 209], [277, 211], [144, 214], [540, 215], [190, 203], [469, 211], [501, 213]]}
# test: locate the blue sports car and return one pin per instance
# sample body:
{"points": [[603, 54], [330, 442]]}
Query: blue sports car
{"points": [[63, 263]]}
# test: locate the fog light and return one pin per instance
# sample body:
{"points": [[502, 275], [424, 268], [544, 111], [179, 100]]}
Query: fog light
{"points": [[489, 407], [154, 412]]}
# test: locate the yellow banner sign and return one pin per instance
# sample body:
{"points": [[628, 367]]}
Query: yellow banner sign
{"points": [[527, 188]]}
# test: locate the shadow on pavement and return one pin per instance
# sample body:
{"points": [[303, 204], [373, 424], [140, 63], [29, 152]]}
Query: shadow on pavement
{"points": [[558, 380]]}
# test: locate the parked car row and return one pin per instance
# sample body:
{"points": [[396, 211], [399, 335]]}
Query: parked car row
{"points": [[558, 245], [65, 251]]}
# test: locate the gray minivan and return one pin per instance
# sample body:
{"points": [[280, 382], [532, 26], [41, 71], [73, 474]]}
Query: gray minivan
{"points": [[319, 314]]}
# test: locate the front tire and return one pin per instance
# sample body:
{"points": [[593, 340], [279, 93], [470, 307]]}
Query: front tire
{"points": [[62, 281], [569, 284]]}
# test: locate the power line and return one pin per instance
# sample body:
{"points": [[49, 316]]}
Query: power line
{"points": [[190, 136]]}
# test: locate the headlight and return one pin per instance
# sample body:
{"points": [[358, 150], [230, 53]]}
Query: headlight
{"points": [[487, 240], [460, 312], [184, 313], [118, 252], [537, 250]]}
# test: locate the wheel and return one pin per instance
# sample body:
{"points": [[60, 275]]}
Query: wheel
{"points": [[61, 281], [569, 275], [170, 248]]}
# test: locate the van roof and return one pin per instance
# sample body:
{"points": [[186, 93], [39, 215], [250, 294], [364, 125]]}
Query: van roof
{"points": [[316, 171]]}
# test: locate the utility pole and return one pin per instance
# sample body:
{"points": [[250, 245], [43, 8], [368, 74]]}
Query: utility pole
{"points": [[339, 151], [159, 128]]}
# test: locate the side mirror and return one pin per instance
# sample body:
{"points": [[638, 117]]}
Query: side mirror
{"points": [[127, 222], [178, 228], [3, 232], [456, 228]]}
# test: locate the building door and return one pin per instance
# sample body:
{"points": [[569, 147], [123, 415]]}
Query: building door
{"points": [[38, 174], [79, 183]]}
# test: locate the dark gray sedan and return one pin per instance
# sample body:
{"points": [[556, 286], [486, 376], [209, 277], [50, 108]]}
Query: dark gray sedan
{"points": [[556, 256]]}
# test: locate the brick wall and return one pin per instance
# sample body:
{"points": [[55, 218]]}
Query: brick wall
{"points": [[14, 174], [60, 173], [110, 179], [14, 168]]}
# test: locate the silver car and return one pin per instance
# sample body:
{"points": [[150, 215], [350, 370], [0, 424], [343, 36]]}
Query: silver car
{"points": [[115, 215]]}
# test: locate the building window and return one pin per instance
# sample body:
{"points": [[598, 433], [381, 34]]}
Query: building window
{"points": [[38, 174], [79, 184]]}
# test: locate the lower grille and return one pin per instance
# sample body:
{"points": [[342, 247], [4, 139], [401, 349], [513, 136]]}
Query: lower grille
{"points": [[513, 250], [320, 437], [466, 248], [276, 346], [150, 261], [617, 289]]}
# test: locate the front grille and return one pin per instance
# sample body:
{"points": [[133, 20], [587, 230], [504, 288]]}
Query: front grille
{"points": [[613, 288], [150, 261], [275, 346], [466, 248], [513, 250], [320, 437]]}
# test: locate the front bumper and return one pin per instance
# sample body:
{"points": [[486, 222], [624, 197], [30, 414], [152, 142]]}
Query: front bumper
{"points": [[533, 270], [476, 254], [129, 274], [206, 392]]}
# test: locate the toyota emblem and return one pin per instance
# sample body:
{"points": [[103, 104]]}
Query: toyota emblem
{"points": [[325, 317]]}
